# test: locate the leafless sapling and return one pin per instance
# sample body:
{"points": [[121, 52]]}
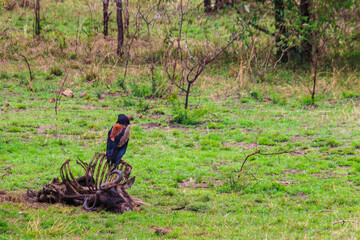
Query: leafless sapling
{"points": [[148, 20], [184, 71]]}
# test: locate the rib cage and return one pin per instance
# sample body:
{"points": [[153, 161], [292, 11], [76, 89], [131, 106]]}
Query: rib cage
{"points": [[97, 172]]}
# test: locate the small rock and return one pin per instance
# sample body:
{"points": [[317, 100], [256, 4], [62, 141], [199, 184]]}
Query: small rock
{"points": [[68, 93], [51, 100], [83, 94], [102, 96]]}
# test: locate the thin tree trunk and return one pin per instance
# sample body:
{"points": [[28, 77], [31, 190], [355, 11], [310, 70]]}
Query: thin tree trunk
{"points": [[207, 6], [314, 79], [306, 46], [151, 56], [187, 95], [126, 17], [106, 17], [280, 38], [120, 25], [37, 18]]}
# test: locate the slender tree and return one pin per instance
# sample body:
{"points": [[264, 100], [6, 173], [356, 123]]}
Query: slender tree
{"points": [[106, 16], [120, 26], [37, 18], [306, 46], [126, 17], [280, 36], [207, 6]]}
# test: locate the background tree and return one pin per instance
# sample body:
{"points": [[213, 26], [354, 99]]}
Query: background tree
{"points": [[37, 18], [120, 27], [207, 6], [106, 17], [280, 36]]}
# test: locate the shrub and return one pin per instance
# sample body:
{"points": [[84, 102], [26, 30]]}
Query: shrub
{"points": [[143, 106], [257, 95], [349, 95], [56, 71]]}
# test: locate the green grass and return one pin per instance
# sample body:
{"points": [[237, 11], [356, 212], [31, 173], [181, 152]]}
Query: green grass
{"points": [[296, 195], [186, 162]]}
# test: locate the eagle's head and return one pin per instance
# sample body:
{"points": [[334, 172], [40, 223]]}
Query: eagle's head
{"points": [[123, 120]]}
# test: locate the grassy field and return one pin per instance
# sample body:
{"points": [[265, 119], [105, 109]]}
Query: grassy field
{"points": [[295, 195], [189, 173]]}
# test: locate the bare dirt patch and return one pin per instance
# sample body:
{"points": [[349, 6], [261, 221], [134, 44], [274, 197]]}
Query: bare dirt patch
{"points": [[328, 175], [161, 231], [23, 198], [90, 107], [301, 195], [297, 139], [285, 182], [191, 184], [293, 171], [172, 125], [151, 125], [241, 144], [344, 167], [42, 129]]}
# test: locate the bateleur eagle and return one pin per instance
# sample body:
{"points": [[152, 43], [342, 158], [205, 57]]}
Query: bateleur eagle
{"points": [[117, 141]]}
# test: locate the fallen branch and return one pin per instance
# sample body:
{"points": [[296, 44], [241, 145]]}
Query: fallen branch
{"points": [[260, 153], [344, 221], [7, 172]]}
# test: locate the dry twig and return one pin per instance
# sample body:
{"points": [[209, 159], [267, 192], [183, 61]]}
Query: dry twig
{"points": [[344, 221], [260, 153]]}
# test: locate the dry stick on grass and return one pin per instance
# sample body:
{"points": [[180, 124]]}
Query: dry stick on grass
{"points": [[344, 221], [260, 153], [59, 94], [7, 172], [4, 31], [31, 76]]}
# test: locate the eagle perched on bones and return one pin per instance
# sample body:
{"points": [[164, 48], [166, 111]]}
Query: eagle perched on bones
{"points": [[118, 139]]}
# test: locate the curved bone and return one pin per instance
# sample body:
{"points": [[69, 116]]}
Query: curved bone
{"points": [[120, 174], [114, 183], [97, 196]]}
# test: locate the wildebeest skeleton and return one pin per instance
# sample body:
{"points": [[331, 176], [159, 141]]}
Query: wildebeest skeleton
{"points": [[98, 187]]}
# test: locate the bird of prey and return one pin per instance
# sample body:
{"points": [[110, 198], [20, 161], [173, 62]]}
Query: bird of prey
{"points": [[117, 141]]}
